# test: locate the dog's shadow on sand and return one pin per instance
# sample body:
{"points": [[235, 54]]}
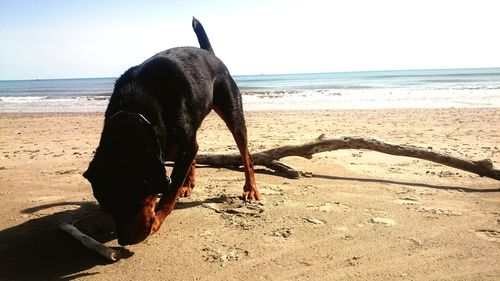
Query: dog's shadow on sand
{"points": [[38, 250]]}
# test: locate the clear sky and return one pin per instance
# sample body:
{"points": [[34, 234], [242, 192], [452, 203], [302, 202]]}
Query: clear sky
{"points": [[98, 38]]}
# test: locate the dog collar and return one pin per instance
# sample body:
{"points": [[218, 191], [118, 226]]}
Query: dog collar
{"points": [[149, 123], [123, 111], [144, 118]]}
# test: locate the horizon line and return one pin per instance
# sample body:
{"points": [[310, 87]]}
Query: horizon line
{"points": [[270, 74]]}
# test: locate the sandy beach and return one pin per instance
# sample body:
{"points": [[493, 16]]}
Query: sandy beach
{"points": [[362, 216]]}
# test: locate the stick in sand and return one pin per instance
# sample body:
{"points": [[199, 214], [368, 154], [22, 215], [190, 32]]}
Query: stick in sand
{"points": [[90, 242], [270, 158]]}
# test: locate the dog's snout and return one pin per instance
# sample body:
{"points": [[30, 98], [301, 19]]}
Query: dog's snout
{"points": [[123, 241], [127, 240]]}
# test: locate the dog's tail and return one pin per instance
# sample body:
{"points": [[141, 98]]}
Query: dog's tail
{"points": [[202, 36]]}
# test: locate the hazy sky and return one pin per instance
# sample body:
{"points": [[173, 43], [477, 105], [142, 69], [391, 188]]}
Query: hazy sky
{"points": [[97, 38]]}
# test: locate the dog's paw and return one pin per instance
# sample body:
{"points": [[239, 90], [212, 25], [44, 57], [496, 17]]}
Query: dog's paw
{"points": [[251, 195], [185, 192]]}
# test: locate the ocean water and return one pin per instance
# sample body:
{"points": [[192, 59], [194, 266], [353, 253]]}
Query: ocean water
{"points": [[446, 88]]}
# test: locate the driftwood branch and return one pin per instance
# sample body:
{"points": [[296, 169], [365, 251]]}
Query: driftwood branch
{"points": [[271, 158], [90, 242]]}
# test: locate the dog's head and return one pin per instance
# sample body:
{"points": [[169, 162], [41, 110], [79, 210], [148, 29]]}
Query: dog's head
{"points": [[127, 175]]}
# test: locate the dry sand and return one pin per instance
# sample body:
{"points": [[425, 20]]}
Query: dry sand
{"points": [[363, 216]]}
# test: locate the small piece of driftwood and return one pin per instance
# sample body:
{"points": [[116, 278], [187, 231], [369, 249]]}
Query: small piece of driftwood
{"points": [[271, 158], [90, 242]]}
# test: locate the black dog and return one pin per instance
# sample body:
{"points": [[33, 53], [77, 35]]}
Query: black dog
{"points": [[153, 115]]}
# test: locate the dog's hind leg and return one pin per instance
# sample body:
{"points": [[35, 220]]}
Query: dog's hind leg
{"points": [[188, 185], [227, 104]]}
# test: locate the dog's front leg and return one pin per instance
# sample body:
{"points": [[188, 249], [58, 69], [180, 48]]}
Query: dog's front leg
{"points": [[179, 173]]}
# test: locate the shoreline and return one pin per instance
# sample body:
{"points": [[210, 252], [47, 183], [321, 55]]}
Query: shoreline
{"points": [[278, 106], [289, 99]]}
